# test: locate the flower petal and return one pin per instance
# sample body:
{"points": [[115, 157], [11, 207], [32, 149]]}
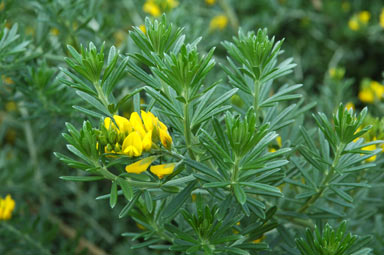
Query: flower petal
{"points": [[140, 166], [161, 170]]}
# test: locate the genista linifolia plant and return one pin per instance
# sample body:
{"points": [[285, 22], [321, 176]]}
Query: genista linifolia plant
{"points": [[215, 165]]}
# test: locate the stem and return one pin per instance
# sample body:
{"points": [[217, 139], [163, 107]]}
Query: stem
{"points": [[256, 96], [187, 131], [326, 180], [100, 94], [235, 169]]}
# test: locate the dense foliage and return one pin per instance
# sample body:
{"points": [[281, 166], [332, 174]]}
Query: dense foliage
{"points": [[191, 127]]}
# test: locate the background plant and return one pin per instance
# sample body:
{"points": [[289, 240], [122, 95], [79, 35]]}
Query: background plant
{"points": [[244, 140]]}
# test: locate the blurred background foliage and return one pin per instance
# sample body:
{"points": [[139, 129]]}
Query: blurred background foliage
{"points": [[337, 46]]}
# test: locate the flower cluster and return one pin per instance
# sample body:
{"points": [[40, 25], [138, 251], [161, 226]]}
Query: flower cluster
{"points": [[218, 22], [359, 20], [7, 205], [134, 136], [371, 91], [156, 7]]}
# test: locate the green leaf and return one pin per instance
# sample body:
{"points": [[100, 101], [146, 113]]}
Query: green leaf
{"points": [[239, 194], [113, 198], [82, 178], [173, 206], [129, 205], [126, 188]]}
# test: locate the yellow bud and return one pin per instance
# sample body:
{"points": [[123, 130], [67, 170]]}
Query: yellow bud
{"points": [[349, 106], [210, 2], [161, 170]]}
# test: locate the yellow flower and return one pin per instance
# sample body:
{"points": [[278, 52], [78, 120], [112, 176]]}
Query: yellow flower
{"points": [[2, 6], [143, 29], [259, 240], [119, 37], [349, 106], [279, 142], [161, 170], [353, 24], [210, 2], [370, 148], [133, 145], [152, 8], [377, 88], [10, 106], [272, 150], [172, 3], [382, 18], [140, 166], [147, 141], [137, 124], [140, 226], [7, 205], [364, 16], [123, 124], [366, 96], [7, 80], [54, 31], [218, 22], [154, 125]]}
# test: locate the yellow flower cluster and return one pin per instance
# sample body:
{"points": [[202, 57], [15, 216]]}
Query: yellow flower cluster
{"points": [[371, 92], [7, 205], [358, 20], [382, 18], [210, 2], [218, 22], [156, 7], [136, 135], [133, 136]]}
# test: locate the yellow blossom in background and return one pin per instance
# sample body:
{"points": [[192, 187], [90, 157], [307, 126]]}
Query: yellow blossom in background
{"points": [[54, 31], [10, 106], [161, 170], [7, 205], [382, 18], [279, 142], [366, 96], [218, 22], [119, 37], [29, 30], [259, 240], [349, 106], [142, 28], [210, 2], [377, 89], [2, 6], [364, 17], [172, 3], [353, 24], [140, 166], [141, 227], [7, 80], [152, 8], [370, 148]]}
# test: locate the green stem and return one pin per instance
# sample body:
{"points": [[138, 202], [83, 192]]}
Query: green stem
{"points": [[187, 131], [100, 93], [235, 168], [326, 180]]}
